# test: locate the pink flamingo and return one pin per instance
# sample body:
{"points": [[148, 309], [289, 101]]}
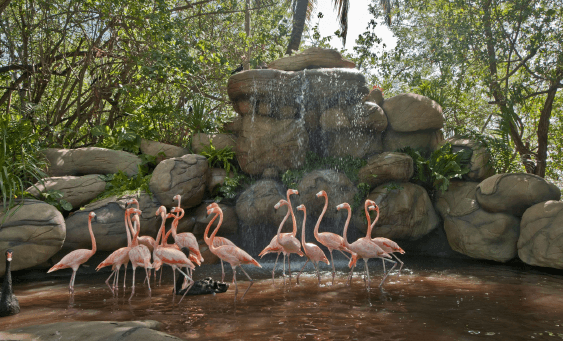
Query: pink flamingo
{"points": [[231, 254], [289, 243], [312, 251], [118, 258], [139, 255], [332, 241], [363, 247], [218, 241], [157, 263], [148, 241], [185, 239], [385, 244], [77, 257]]}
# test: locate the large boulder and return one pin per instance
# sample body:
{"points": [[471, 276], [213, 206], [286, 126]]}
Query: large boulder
{"points": [[90, 331], [473, 231], [406, 212], [425, 140], [387, 167], [255, 206], [541, 235], [367, 116], [162, 151], [375, 95], [229, 225], [412, 112], [216, 178], [201, 141], [266, 142], [234, 126], [109, 224], [77, 190], [480, 165], [514, 193], [312, 58], [186, 175], [35, 231], [90, 160], [348, 142]]}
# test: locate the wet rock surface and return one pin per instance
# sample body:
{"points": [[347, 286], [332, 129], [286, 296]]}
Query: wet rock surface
{"points": [[312, 58], [255, 206], [387, 167]]}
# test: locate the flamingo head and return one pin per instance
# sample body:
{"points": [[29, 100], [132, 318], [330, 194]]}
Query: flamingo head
{"points": [[374, 208], [135, 211], [133, 202], [213, 204], [292, 191], [321, 194], [9, 254], [370, 202], [399, 250], [160, 210], [353, 260], [91, 215], [301, 207], [173, 210], [214, 209], [343, 205], [177, 197], [281, 202]]}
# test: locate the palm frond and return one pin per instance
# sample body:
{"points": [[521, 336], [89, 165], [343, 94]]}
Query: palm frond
{"points": [[342, 7]]}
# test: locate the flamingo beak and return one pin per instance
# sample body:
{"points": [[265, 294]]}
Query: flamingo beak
{"points": [[277, 206], [9, 257], [320, 194]]}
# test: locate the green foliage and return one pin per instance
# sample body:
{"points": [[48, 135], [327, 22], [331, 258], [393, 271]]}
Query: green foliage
{"points": [[348, 165], [55, 198], [230, 188], [363, 191], [443, 165], [220, 157], [119, 184], [121, 138]]}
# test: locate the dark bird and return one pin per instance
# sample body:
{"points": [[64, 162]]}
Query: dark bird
{"points": [[201, 287], [9, 304], [238, 69]]}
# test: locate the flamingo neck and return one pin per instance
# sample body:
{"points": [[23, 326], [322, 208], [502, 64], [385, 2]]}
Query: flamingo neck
{"points": [[345, 233], [161, 229], [211, 246], [368, 235], [92, 235], [127, 213], [174, 227], [205, 237], [7, 285], [283, 222], [135, 241], [321, 217], [303, 228], [368, 217], [292, 216]]}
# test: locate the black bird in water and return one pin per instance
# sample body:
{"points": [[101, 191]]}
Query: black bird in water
{"points": [[201, 287], [9, 304], [238, 69]]}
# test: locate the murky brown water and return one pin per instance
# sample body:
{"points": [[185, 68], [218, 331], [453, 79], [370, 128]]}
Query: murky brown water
{"points": [[470, 301]]}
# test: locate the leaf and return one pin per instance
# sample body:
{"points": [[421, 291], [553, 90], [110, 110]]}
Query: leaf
{"points": [[65, 205]]}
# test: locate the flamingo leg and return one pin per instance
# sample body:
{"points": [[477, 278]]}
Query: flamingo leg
{"points": [[251, 282], [71, 284], [125, 276], [107, 280], [367, 274], [318, 273], [398, 260], [222, 272], [385, 277], [347, 257], [274, 269], [289, 267], [174, 272], [333, 269], [133, 284], [148, 277], [235, 280], [283, 273], [299, 274], [383, 261], [190, 280], [160, 280], [116, 279]]}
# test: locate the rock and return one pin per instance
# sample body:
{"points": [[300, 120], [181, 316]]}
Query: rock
{"points": [[108, 226], [426, 140], [375, 95], [186, 175], [473, 231], [265, 142], [34, 231], [264, 108], [480, 164], [515, 192], [234, 126], [334, 118], [216, 178], [255, 206], [161, 151], [270, 173], [367, 115], [338, 188], [200, 141], [405, 213], [244, 107], [90, 331], [349, 142], [370, 116], [312, 58], [541, 232], [412, 112], [77, 190], [90, 160], [387, 167], [287, 112], [230, 220]]}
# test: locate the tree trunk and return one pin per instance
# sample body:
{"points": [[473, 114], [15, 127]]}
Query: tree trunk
{"points": [[246, 64], [298, 25], [543, 129]]}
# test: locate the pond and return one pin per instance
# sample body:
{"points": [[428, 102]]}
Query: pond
{"points": [[433, 299]]}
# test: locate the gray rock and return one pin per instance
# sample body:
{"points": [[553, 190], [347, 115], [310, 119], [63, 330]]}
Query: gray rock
{"points": [[270, 173], [90, 331], [541, 235], [387, 167], [515, 192], [287, 112], [350, 142], [412, 112], [109, 226], [265, 142], [405, 213], [255, 206], [201, 141], [474, 231], [367, 116], [161, 151], [426, 140], [90, 160], [34, 231], [216, 178], [77, 190], [234, 126], [335, 118], [230, 220], [480, 164], [186, 175], [312, 58]]}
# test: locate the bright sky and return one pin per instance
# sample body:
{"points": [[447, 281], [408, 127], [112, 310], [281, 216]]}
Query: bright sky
{"points": [[358, 18]]}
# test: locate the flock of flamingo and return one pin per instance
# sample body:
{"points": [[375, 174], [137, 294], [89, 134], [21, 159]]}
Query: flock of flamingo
{"points": [[185, 253]]}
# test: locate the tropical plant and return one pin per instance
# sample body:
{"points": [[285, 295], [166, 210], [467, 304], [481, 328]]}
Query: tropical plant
{"points": [[119, 184], [220, 157], [230, 187], [55, 198]]}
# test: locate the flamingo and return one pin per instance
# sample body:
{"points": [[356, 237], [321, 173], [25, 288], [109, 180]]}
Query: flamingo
{"points": [[274, 246], [231, 254], [363, 247], [9, 304], [148, 241], [119, 257], [139, 255], [386, 244], [312, 251], [332, 241], [186, 239], [157, 263], [218, 241], [77, 257], [289, 243]]}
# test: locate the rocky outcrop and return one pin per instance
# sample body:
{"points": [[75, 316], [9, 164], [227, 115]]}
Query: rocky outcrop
{"points": [[200, 141], [474, 231], [349, 142], [109, 226], [90, 160], [230, 220], [425, 140], [216, 178], [266, 142], [541, 235], [77, 190], [90, 331], [375, 95], [312, 58], [162, 151], [35, 231], [480, 165], [366, 116], [255, 206], [412, 112], [405, 212], [514, 193], [387, 167], [186, 175]]}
